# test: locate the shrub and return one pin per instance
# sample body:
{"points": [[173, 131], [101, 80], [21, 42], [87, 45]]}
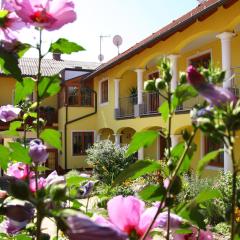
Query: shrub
{"points": [[192, 186], [108, 160]]}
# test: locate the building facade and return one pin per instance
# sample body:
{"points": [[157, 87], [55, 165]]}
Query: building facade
{"points": [[116, 106]]}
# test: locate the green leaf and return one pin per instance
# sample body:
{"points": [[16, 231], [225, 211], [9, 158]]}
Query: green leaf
{"points": [[152, 193], [207, 194], [22, 237], [15, 125], [62, 45], [183, 231], [9, 64], [183, 93], [193, 214], [164, 110], [19, 153], [10, 133], [49, 86], [52, 137], [23, 89], [74, 180], [177, 152], [22, 49], [4, 157], [206, 159], [136, 170], [42, 168], [141, 139]]}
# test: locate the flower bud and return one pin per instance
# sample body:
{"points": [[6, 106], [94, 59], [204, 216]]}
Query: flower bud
{"points": [[149, 86], [38, 152], [160, 84]]}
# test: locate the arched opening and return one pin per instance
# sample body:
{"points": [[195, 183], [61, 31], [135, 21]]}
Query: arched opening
{"points": [[106, 134], [126, 135]]}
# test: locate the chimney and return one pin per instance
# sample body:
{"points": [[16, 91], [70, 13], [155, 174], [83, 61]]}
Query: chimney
{"points": [[57, 56]]}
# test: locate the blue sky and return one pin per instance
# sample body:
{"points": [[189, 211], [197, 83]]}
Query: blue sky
{"points": [[132, 19]]}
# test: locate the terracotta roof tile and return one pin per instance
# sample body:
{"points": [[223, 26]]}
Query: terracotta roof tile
{"points": [[176, 25], [29, 66]]}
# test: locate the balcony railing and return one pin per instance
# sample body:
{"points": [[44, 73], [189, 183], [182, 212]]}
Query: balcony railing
{"points": [[151, 103], [188, 105], [235, 81], [126, 105]]}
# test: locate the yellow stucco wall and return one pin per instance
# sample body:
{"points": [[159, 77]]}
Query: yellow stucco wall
{"points": [[196, 39]]}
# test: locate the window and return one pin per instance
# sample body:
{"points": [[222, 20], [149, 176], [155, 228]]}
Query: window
{"points": [[81, 141], [79, 96], [201, 61], [73, 95], [211, 145], [153, 75], [104, 91]]}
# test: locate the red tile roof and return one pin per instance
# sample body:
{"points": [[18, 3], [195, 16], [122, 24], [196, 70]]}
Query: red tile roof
{"points": [[201, 12]]}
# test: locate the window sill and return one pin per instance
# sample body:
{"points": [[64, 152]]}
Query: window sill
{"points": [[215, 168], [103, 104], [80, 155]]}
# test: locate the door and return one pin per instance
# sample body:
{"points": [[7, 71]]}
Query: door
{"points": [[162, 146], [52, 161]]}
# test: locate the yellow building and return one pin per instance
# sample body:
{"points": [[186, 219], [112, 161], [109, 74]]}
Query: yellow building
{"points": [[117, 106], [49, 107]]}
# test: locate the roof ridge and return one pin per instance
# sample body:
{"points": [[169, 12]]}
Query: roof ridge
{"points": [[154, 37]]}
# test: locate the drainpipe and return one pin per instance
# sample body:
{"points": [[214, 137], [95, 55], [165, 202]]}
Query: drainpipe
{"points": [[75, 120]]}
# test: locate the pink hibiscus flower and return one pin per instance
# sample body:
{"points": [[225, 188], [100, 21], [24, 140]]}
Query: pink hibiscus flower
{"points": [[46, 14], [18, 170], [10, 23], [41, 184], [128, 215]]}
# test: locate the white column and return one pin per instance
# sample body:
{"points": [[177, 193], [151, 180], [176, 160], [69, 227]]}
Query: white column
{"points": [[202, 145], [116, 91], [140, 85], [141, 154], [227, 161], [98, 138], [174, 70], [226, 38], [174, 140], [117, 139]]}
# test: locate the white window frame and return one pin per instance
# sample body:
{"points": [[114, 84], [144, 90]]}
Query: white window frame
{"points": [[100, 92], [198, 55], [80, 131]]}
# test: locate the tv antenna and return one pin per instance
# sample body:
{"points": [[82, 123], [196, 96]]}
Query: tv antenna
{"points": [[117, 41], [101, 56]]}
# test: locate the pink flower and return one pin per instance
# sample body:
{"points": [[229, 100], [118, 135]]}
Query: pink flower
{"points": [[18, 170], [41, 182], [81, 227], [10, 23], [203, 235], [9, 113], [46, 14], [125, 213], [213, 94], [128, 215]]}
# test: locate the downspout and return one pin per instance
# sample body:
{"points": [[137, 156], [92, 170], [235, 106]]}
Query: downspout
{"points": [[75, 120]]}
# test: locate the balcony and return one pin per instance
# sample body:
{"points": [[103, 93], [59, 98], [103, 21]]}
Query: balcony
{"points": [[235, 82], [126, 107]]}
